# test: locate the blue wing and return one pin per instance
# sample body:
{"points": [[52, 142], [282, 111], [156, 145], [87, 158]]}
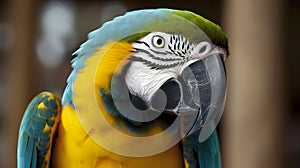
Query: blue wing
{"points": [[202, 155], [36, 132]]}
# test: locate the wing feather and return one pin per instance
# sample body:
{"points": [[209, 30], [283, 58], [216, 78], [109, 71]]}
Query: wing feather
{"points": [[37, 129], [204, 154]]}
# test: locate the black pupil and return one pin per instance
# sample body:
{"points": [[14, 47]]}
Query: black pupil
{"points": [[159, 41]]}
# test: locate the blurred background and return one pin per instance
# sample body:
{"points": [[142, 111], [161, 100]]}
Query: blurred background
{"points": [[260, 127]]}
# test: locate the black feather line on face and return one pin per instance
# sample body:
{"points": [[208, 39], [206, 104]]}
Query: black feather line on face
{"points": [[170, 48], [142, 42], [188, 47], [174, 52], [176, 39], [156, 58], [169, 52], [182, 46], [153, 65], [158, 52], [178, 46]]}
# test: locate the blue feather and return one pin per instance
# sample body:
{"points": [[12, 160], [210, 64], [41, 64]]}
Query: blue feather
{"points": [[34, 141], [202, 154], [28, 156], [113, 30], [205, 154]]}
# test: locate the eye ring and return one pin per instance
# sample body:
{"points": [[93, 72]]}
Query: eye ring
{"points": [[158, 41]]}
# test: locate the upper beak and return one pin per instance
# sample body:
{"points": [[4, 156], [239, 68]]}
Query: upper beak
{"points": [[203, 95]]}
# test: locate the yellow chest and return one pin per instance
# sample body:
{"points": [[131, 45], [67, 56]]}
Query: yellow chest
{"points": [[75, 148]]}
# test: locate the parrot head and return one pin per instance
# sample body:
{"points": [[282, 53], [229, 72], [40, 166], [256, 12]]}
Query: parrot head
{"points": [[151, 67]]}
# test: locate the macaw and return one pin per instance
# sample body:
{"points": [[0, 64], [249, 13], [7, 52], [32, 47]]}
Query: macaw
{"points": [[147, 89]]}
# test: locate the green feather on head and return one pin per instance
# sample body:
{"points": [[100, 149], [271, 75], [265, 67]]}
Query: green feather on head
{"points": [[195, 27], [212, 30]]}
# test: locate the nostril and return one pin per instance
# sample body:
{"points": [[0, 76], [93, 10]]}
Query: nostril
{"points": [[203, 49], [138, 102], [172, 92]]}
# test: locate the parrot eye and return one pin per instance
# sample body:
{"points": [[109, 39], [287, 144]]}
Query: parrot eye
{"points": [[158, 41]]}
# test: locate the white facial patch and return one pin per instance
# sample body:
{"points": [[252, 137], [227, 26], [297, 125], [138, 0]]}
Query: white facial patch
{"points": [[158, 57], [144, 81]]}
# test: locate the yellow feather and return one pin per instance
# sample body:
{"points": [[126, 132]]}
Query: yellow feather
{"points": [[113, 56], [41, 106], [76, 146]]}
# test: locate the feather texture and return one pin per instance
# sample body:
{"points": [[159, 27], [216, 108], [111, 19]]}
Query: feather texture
{"points": [[36, 132], [202, 155], [111, 43], [142, 22]]}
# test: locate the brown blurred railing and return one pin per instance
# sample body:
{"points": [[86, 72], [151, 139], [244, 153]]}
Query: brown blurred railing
{"points": [[256, 108], [22, 15]]}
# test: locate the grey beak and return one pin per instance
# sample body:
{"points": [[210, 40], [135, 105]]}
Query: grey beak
{"points": [[204, 91]]}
